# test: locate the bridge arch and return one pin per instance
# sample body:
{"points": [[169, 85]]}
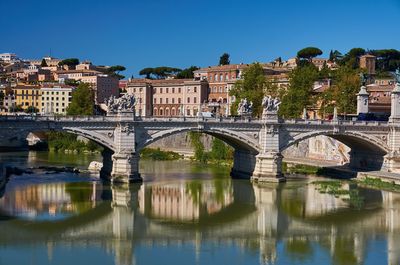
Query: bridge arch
{"points": [[367, 152], [237, 140]]}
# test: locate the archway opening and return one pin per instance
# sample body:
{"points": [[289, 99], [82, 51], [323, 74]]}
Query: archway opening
{"points": [[217, 147], [356, 152]]}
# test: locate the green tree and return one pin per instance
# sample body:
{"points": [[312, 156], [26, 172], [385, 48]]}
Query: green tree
{"points": [[335, 56], [299, 93], [345, 88], [159, 72], [224, 59], [72, 62], [115, 70], [147, 72], [44, 63], [219, 150], [32, 109], [308, 53], [82, 101], [187, 73], [352, 58], [386, 59], [252, 86]]}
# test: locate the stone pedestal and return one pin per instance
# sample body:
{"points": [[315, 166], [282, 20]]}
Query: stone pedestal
{"points": [[395, 105], [268, 168], [125, 168], [362, 100]]}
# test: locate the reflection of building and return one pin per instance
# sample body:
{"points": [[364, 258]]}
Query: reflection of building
{"points": [[184, 202], [41, 200]]}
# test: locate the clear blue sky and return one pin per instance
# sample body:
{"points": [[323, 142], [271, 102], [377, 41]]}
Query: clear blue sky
{"points": [[180, 33]]}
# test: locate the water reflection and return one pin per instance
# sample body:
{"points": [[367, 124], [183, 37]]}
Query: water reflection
{"points": [[281, 224]]}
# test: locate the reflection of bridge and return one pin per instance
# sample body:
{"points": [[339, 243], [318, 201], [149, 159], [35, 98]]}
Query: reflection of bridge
{"points": [[258, 143], [258, 217]]}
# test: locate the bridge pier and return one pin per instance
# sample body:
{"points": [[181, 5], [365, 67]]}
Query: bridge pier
{"points": [[268, 168], [125, 168], [243, 164], [105, 172]]}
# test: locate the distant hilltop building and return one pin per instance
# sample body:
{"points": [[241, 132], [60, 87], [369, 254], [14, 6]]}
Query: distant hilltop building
{"points": [[8, 57], [367, 62]]}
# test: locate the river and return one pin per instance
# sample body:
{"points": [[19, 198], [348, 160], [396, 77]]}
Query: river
{"points": [[185, 213]]}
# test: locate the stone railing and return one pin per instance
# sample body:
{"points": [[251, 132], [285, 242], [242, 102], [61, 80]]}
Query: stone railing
{"points": [[333, 122], [98, 118]]}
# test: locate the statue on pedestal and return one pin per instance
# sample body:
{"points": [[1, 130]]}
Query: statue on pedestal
{"points": [[270, 104], [397, 76], [245, 107], [363, 79], [126, 103]]}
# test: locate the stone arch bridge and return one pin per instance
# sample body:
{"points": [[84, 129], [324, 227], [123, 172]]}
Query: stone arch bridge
{"points": [[258, 144]]}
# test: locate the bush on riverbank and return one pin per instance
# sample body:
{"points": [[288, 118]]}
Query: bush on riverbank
{"points": [[301, 169], [157, 154], [377, 183], [64, 142], [220, 152]]}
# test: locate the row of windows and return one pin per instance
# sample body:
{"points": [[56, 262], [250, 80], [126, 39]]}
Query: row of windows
{"points": [[167, 112], [56, 110], [52, 104], [160, 100], [219, 89], [167, 90], [55, 93], [27, 92], [57, 98], [220, 77]]}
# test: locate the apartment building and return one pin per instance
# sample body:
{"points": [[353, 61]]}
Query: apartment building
{"points": [[55, 99], [103, 86], [169, 97], [143, 92], [27, 96]]}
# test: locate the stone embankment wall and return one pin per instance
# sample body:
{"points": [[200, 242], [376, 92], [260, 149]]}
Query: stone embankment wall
{"points": [[319, 148]]}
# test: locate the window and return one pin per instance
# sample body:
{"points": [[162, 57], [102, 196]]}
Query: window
{"points": [[188, 100], [161, 112], [166, 102], [179, 100], [195, 89], [188, 112], [160, 103], [155, 101], [173, 100], [221, 77], [167, 90], [179, 90], [160, 93], [194, 100], [173, 90], [141, 89], [215, 77]]}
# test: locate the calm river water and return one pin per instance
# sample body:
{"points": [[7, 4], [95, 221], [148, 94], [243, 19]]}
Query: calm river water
{"points": [[189, 214]]}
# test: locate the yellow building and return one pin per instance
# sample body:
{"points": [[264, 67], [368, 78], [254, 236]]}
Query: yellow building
{"points": [[27, 95]]}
